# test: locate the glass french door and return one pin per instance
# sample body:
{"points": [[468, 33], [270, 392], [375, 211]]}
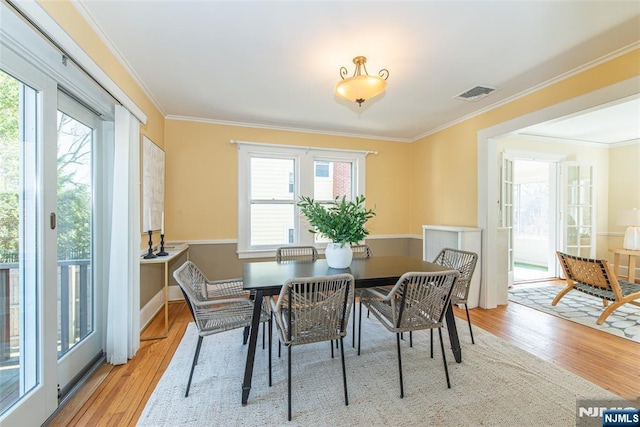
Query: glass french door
{"points": [[506, 209], [27, 244], [579, 209], [50, 306], [79, 332]]}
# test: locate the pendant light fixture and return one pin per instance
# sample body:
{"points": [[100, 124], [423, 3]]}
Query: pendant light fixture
{"points": [[361, 86]]}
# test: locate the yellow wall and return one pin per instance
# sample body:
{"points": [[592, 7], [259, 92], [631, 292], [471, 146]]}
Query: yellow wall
{"points": [[624, 169], [202, 177], [66, 15], [445, 164]]}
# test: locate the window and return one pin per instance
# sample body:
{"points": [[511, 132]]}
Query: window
{"points": [[322, 169], [270, 181]]}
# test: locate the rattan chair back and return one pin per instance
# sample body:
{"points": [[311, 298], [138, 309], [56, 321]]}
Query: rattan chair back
{"points": [[465, 263], [296, 253], [216, 306], [361, 251], [417, 301], [314, 309]]}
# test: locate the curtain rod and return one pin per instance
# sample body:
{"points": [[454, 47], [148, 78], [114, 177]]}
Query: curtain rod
{"points": [[266, 144]]}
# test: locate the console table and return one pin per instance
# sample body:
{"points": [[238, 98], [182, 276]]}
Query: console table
{"points": [[174, 251], [632, 262]]}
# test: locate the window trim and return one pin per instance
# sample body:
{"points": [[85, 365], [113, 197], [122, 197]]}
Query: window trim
{"points": [[304, 158]]}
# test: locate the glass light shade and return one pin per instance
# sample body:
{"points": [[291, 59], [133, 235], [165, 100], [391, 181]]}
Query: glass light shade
{"points": [[360, 88]]}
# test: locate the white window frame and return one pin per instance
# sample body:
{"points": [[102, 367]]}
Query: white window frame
{"points": [[304, 175]]}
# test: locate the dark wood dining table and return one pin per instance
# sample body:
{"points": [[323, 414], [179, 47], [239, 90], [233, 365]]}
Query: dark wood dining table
{"points": [[267, 278]]}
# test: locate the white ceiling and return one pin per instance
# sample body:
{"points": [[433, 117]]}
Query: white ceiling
{"points": [[275, 63], [611, 124]]}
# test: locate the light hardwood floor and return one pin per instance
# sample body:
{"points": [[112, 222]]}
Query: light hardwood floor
{"points": [[116, 395]]}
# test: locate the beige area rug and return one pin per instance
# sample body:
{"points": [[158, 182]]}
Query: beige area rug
{"points": [[580, 308], [497, 384]]}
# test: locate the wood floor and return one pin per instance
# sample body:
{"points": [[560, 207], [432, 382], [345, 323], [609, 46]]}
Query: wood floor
{"points": [[116, 395]]}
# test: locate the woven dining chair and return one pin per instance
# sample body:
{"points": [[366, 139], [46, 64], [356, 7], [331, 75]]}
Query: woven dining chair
{"points": [[216, 306], [359, 252], [417, 301], [465, 262], [310, 310], [296, 253]]}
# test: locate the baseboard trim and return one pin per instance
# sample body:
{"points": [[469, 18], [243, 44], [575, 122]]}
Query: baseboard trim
{"points": [[156, 304]]}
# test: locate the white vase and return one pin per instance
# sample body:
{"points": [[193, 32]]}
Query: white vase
{"points": [[339, 255]]}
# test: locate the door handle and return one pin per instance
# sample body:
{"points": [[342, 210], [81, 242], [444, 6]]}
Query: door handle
{"points": [[52, 220]]}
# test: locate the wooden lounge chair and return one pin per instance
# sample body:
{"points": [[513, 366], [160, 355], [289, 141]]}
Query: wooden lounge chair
{"points": [[594, 277]]}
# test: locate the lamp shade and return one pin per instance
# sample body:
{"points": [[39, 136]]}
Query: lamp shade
{"points": [[631, 218]]}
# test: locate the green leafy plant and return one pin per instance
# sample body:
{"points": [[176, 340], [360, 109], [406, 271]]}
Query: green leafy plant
{"points": [[341, 221]]}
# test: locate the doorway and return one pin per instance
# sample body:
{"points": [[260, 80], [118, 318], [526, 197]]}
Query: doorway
{"points": [[534, 219], [495, 292]]}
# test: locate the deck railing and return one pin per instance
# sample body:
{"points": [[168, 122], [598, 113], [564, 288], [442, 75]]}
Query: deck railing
{"points": [[75, 313]]}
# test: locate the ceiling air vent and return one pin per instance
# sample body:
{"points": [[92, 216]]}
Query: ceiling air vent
{"points": [[475, 93]]}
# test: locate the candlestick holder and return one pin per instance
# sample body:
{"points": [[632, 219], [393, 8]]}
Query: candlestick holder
{"points": [[162, 251], [150, 254]]}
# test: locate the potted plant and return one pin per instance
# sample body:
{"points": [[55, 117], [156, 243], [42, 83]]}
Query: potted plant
{"points": [[340, 221]]}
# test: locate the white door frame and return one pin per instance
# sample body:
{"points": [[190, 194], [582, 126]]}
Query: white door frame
{"points": [[493, 293]]}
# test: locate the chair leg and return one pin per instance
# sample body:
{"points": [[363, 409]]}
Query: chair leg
{"points": [[353, 328], [264, 332], [245, 335], [431, 330], [469, 321], [359, 327], [331, 342], [193, 365], [279, 348], [410, 338], [344, 373], [400, 366], [270, 339], [289, 385], [444, 358]]}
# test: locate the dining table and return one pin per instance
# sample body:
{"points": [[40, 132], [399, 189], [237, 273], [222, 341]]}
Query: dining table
{"points": [[267, 277]]}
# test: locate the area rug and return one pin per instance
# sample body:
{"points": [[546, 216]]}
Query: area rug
{"points": [[580, 308], [497, 384]]}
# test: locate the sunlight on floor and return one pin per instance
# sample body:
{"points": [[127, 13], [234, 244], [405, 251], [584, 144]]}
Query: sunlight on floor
{"points": [[523, 274]]}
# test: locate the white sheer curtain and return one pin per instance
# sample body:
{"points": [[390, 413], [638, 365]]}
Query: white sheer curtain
{"points": [[123, 303]]}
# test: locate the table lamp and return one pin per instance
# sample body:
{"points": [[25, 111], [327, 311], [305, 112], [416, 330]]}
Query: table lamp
{"points": [[631, 218]]}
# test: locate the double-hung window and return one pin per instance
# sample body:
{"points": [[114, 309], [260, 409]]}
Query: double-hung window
{"points": [[271, 179]]}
